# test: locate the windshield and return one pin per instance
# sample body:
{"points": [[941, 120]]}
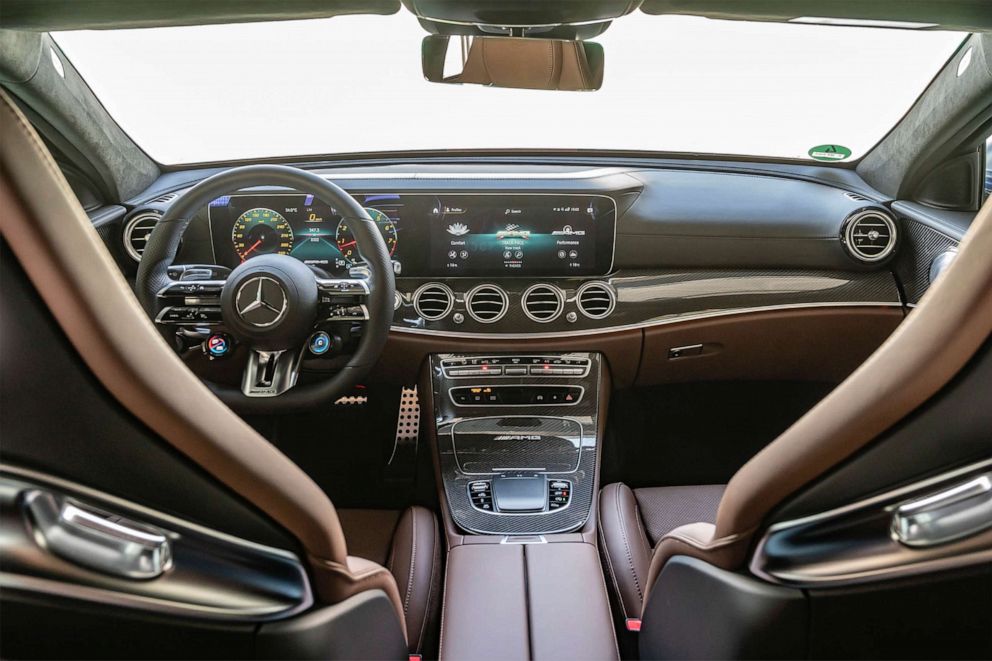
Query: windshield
{"points": [[354, 84]]}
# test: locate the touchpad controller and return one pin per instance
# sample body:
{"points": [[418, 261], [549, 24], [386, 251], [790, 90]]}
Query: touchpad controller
{"points": [[520, 494]]}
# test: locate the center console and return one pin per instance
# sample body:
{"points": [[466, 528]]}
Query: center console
{"points": [[517, 440]]}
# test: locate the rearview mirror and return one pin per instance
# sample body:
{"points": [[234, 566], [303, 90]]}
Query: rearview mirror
{"points": [[515, 62]]}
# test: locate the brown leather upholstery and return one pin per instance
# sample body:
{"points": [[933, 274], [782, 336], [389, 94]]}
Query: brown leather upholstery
{"points": [[415, 561], [632, 521], [68, 264], [408, 543], [526, 601], [935, 342]]}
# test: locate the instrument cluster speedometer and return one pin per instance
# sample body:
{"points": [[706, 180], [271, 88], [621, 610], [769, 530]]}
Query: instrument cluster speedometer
{"points": [[261, 231]]}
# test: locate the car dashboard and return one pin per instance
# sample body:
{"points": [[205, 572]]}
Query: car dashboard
{"points": [[551, 252]]}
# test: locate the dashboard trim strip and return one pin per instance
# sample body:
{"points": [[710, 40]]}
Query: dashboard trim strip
{"points": [[646, 324]]}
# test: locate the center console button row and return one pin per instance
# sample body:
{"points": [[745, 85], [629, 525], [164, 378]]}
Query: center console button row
{"points": [[515, 366], [481, 493], [515, 395], [559, 494], [475, 371], [554, 370]]}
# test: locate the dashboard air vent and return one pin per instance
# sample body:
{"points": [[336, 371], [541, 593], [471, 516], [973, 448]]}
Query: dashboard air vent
{"points": [[486, 303], [857, 197], [433, 301], [543, 303], [136, 232], [870, 236], [596, 300]]}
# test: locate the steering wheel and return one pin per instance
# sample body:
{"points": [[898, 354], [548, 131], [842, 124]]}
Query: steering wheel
{"points": [[272, 304]]}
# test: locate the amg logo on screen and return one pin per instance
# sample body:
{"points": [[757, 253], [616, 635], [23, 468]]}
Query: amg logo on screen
{"points": [[519, 437]]}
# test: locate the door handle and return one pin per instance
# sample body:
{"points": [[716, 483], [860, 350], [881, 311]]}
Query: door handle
{"points": [[97, 540], [959, 511]]}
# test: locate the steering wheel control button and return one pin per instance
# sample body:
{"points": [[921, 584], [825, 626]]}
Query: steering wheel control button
{"points": [[320, 343], [193, 288], [190, 315], [348, 313], [218, 345]]}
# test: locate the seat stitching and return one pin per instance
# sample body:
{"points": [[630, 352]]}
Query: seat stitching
{"points": [[444, 607], [609, 561], [641, 526], [616, 643], [413, 562], [430, 589], [626, 547]]}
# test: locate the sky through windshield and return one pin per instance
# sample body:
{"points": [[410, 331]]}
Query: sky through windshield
{"points": [[354, 84]]}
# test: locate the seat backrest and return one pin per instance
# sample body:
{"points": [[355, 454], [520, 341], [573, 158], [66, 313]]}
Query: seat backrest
{"points": [[69, 266]]}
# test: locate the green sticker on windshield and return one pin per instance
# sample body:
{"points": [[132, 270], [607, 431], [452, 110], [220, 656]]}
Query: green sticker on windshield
{"points": [[829, 152]]}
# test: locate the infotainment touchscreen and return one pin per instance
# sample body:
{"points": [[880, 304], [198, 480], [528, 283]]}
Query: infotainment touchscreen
{"points": [[527, 235]]}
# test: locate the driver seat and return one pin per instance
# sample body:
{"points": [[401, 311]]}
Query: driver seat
{"points": [[68, 265]]}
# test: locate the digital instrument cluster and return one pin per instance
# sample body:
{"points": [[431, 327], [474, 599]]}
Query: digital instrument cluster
{"points": [[244, 225], [426, 234]]}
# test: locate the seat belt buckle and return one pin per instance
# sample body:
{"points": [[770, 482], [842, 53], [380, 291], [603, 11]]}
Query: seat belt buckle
{"points": [[415, 657], [633, 624]]}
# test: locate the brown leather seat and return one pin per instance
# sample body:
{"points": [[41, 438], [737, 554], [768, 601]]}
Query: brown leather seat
{"points": [[68, 264], [632, 521], [407, 543]]}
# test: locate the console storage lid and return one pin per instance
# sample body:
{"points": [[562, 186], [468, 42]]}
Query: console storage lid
{"points": [[526, 601]]}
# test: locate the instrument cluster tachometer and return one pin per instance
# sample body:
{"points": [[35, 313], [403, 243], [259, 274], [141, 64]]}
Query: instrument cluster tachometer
{"points": [[348, 245]]}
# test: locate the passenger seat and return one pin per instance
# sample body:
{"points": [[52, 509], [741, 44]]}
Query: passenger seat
{"points": [[631, 521], [407, 543]]}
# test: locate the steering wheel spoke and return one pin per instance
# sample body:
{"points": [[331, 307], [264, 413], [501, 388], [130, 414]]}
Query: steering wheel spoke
{"points": [[270, 373]]}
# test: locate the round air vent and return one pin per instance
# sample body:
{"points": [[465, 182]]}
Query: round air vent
{"points": [[596, 300], [543, 303], [486, 303], [869, 236], [137, 230], [433, 301]]}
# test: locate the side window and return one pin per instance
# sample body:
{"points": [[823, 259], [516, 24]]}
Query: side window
{"points": [[988, 167]]}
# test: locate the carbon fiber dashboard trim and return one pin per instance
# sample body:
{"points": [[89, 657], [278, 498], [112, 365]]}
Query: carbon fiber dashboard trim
{"points": [[650, 298], [921, 245], [584, 417]]}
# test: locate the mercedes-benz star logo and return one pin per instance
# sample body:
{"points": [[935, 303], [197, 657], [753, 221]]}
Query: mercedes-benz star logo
{"points": [[261, 301]]}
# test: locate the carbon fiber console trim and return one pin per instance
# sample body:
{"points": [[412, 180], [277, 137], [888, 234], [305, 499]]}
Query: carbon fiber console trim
{"points": [[512, 428]]}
